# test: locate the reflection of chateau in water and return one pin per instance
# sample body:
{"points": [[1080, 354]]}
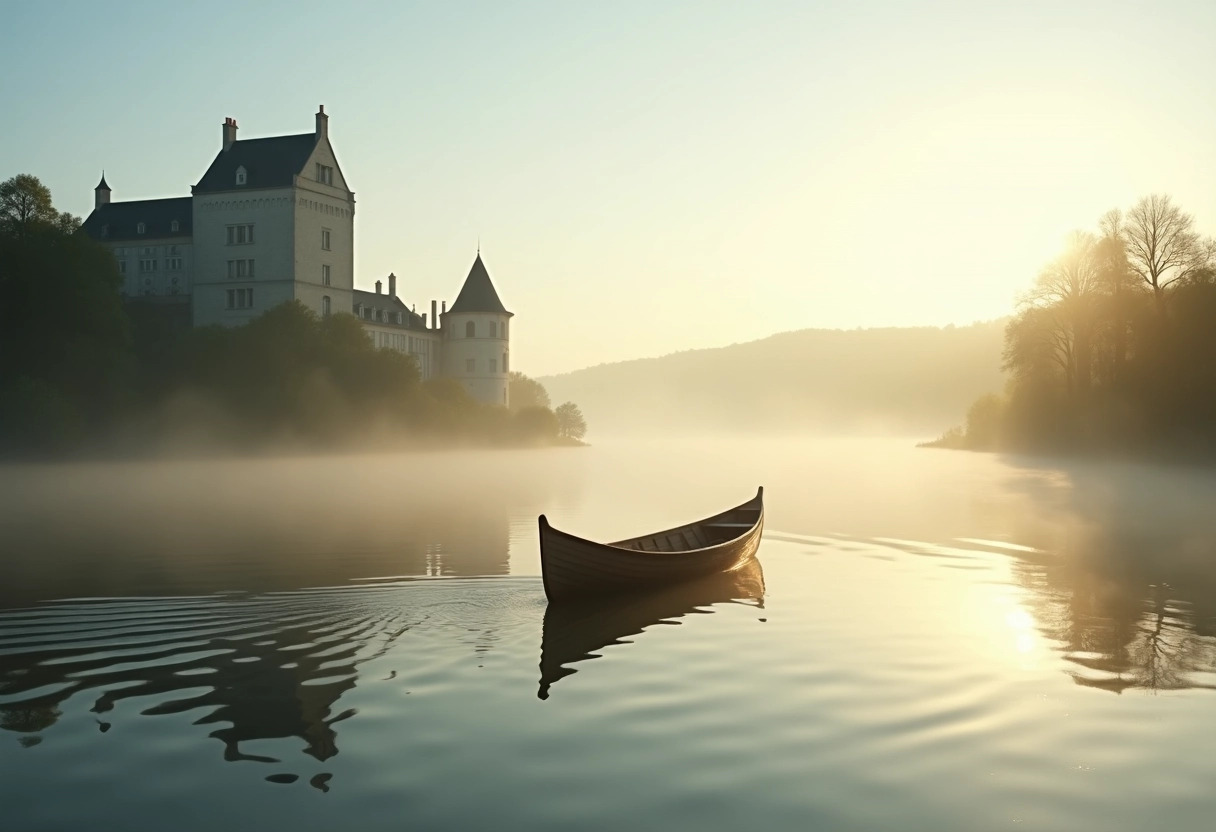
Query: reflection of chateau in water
{"points": [[261, 668]]}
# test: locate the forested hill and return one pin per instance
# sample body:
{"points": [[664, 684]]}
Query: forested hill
{"points": [[903, 380]]}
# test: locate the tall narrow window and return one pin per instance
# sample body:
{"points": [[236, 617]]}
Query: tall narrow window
{"points": [[325, 274], [469, 330], [239, 298], [325, 307], [469, 363], [238, 269], [504, 363], [493, 329], [325, 239], [493, 365], [239, 235]]}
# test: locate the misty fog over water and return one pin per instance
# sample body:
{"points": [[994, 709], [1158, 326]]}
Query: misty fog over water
{"points": [[249, 525], [371, 631]]}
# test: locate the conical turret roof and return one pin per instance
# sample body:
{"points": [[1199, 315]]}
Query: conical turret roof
{"points": [[102, 186], [477, 294]]}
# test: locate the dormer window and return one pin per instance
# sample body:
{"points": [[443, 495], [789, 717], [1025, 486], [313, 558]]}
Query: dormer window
{"points": [[105, 231], [175, 226], [140, 228], [240, 175]]}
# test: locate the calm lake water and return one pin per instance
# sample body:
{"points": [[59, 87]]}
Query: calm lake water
{"points": [[931, 641]]}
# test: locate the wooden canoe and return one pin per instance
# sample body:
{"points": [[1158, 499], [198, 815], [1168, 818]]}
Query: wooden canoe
{"points": [[580, 630], [574, 567]]}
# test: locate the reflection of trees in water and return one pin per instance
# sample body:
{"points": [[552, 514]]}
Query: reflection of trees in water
{"points": [[1125, 575]]}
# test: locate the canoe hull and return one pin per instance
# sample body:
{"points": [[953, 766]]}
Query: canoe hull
{"points": [[574, 567]]}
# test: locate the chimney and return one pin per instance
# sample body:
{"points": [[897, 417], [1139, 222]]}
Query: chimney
{"points": [[444, 310], [229, 132], [424, 320], [378, 285], [434, 316], [392, 285], [101, 194], [322, 124]]}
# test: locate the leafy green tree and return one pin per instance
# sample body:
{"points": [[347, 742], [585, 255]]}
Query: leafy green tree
{"points": [[534, 425], [570, 421], [64, 338], [24, 204], [526, 392]]}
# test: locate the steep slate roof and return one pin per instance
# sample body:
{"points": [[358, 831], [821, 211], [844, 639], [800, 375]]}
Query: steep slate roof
{"points": [[118, 220], [389, 304], [477, 294], [268, 163]]}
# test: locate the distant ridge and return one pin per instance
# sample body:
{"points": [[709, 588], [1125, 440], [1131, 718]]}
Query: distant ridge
{"points": [[909, 380]]}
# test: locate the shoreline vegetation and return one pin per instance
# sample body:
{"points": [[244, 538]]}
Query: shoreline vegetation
{"points": [[1112, 351], [85, 374]]}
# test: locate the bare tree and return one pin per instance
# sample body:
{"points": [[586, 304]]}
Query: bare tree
{"points": [[1118, 284], [1161, 246], [1037, 340], [1069, 289]]}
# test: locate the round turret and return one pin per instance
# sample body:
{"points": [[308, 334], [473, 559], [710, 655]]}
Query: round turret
{"points": [[476, 339]]}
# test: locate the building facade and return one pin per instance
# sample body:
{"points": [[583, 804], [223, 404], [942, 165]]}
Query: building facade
{"points": [[272, 220]]}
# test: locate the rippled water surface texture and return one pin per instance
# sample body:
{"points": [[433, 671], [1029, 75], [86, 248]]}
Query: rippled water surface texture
{"points": [[929, 641]]}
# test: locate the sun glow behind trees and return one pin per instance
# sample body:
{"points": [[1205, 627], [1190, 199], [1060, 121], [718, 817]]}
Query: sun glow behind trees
{"points": [[1113, 347]]}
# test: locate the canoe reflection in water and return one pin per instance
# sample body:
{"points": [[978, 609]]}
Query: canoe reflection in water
{"points": [[579, 629]]}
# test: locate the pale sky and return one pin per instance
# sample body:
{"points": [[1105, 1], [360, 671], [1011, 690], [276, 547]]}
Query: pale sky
{"points": [[647, 177]]}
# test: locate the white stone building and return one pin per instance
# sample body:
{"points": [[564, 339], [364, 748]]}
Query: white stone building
{"points": [[272, 220]]}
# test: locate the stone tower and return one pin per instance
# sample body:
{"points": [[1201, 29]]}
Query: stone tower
{"points": [[476, 338]]}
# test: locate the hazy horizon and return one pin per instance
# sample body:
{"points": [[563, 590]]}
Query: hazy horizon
{"points": [[788, 167]]}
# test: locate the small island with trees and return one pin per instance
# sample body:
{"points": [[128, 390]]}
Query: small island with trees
{"points": [[84, 372], [1113, 349]]}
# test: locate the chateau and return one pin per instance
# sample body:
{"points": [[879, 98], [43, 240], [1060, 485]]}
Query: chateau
{"points": [[272, 220]]}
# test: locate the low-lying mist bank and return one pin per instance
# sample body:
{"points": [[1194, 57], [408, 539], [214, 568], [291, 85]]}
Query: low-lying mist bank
{"points": [[900, 381]]}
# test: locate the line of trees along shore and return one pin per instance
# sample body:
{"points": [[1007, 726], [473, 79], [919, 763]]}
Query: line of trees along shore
{"points": [[83, 372], [1113, 348]]}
